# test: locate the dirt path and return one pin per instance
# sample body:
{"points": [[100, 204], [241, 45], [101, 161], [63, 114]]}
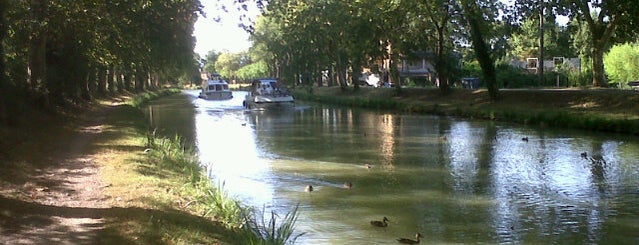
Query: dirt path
{"points": [[60, 201]]}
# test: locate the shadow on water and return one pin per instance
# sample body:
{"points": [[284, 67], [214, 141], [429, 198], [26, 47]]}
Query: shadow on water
{"points": [[452, 180]]}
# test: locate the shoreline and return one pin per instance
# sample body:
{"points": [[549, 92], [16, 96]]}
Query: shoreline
{"points": [[602, 110]]}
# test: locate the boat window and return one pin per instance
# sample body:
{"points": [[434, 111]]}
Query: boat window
{"points": [[218, 87], [225, 86], [211, 87]]}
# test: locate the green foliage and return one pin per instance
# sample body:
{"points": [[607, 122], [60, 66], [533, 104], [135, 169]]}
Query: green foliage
{"points": [[73, 48], [219, 204], [228, 63], [142, 98], [513, 77], [211, 58], [255, 70], [579, 78], [174, 154], [622, 63], [525, 43], [260, 231], [471, 69]]}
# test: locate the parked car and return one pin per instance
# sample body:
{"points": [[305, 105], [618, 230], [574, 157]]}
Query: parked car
{"points": [[369, 79]]}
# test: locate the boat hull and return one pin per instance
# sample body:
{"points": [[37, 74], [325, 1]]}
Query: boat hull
{"points": [[261, 102], [216, 95]]}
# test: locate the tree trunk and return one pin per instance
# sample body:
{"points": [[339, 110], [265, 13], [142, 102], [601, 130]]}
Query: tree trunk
{"points": [[103, 73], [110, 79], [540, 62], [37, 50], [357, 72], [440, 64], [601, 30], [341, 74], [482, 51], [393, 70], [4, 83], [91, 81], [598, 70], [126, 80], [139, 81], [119, 78]]}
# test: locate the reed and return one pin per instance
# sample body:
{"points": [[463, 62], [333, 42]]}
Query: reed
{"points": [[259, 230]]}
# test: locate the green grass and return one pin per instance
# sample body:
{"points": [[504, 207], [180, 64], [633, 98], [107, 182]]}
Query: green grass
{"points": [[261, 231], [155, 188], [172, 165], [609, 110]]}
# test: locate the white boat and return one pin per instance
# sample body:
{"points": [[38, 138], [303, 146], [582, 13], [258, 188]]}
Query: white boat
{"points": [[267, 92], [216, 88]]}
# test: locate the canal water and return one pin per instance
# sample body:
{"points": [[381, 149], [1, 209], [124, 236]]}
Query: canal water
{"points": [[451, 180]]}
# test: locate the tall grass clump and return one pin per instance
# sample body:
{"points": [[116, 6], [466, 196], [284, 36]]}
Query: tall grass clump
{"points": [[212, 201], [173, 153], [260, 231], [141, 98], [219, 204]]}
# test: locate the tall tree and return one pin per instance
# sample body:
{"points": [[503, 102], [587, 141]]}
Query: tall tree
{"points": [[37, 49], [476, 20], [602, 18], [441, 15], [3, 76], [211, 58]]}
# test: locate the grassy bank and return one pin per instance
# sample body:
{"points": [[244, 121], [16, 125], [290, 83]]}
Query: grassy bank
{"points": [[162, 174], [153, 191], [154, 186], [167, 176], [605, 110]]}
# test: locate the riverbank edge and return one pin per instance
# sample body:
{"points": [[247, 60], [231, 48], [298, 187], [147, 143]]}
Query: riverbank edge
{"points": [[148, 202], [564, 108]]}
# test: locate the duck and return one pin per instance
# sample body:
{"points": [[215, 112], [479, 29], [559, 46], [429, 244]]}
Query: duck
{"points": [[410, 241], [525, 139], [368, 166], [584, 155], [309, 188], [380, 223], [597, 159], [348, 185]]}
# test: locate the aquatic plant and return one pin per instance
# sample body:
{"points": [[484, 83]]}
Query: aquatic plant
{"points": [[259, 230]]}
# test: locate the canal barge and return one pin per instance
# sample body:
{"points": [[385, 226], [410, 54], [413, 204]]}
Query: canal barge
{"points": [[216, 88], [268, 92]]}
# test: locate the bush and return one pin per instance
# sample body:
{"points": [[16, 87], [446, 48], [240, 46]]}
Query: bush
{"points": [[621, 63], [513, 77], [579, 78]]}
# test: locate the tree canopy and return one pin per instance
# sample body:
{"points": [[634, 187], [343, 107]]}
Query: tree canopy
{"points": [[61, 51], [330, 40]]}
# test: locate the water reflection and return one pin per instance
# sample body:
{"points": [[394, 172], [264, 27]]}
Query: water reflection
{"points": [[455, 181]]}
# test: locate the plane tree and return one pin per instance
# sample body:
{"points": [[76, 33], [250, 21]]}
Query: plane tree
{"points": [[69, 51], [480, 18], [435, 21], [602, 20]]}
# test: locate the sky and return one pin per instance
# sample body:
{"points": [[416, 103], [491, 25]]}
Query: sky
{"points": [[224, 35]]}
